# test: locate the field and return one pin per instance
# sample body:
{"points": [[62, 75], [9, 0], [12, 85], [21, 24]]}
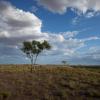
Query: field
{"points": [[49, 82]]}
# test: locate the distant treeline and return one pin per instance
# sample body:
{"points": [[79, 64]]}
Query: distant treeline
{"points": [[86, 66]]}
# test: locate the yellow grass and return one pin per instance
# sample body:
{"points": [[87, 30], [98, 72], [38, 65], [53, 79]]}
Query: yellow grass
{"points": [[48, 82]]}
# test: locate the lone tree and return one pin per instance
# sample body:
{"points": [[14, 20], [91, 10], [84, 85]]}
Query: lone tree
{"points": [[34, 48], [64, 62]]}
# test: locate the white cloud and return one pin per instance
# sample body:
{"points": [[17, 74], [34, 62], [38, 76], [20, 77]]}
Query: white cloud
{"points": [[91, 38], [90, 14], [34, 9], [17, 25], [75, 20], [70, 34], [79, 6], [92, 54]]}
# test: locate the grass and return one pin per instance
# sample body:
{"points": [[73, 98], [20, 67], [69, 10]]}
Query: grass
{"points": [[49, 82]]}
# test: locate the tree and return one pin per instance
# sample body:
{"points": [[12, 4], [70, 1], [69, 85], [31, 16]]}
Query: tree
{"points": [[64, 62], [34, 48]]}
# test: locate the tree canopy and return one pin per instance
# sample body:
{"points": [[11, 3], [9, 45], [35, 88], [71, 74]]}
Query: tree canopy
{"points": [[33, 48]]}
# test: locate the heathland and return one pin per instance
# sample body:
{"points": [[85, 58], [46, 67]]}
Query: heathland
{"points": [[49, 82]]}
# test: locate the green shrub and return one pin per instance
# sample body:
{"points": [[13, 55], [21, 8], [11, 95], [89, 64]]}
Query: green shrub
{"points": [[4, 95]]}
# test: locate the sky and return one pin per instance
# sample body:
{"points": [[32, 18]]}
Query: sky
{"points": [[72, 27]]}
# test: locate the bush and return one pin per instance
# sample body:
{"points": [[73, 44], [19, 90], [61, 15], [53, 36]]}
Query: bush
{"points": [[4, 95]]}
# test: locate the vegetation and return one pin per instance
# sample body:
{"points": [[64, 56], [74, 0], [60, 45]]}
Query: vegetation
{"points": [[64, 62], [34, 48], [49, 82]]}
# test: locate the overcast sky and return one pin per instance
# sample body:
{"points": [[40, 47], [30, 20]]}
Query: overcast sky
{"points": [[72, 27]]}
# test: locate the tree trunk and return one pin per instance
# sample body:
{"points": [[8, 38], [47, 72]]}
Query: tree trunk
{"points": [[31, 64], [35, 59]]}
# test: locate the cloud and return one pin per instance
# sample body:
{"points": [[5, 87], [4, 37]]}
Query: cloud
{"points": [[76, 20], [17, 25], [70, 34], [78, 6], [91, 38], [68, 45], [91, 56], [17, 22], [34, 9]]}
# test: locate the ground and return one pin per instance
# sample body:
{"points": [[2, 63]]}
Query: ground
{"points": [[49, 82]]}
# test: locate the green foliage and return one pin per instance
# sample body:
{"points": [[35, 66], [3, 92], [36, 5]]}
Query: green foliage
{"points": [[46, 45], [4, 95], [64, 62], [27, 48], [34, 48]]}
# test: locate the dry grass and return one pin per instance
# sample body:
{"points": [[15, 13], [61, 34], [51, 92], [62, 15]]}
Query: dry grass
{"points": [[48, 83]]}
